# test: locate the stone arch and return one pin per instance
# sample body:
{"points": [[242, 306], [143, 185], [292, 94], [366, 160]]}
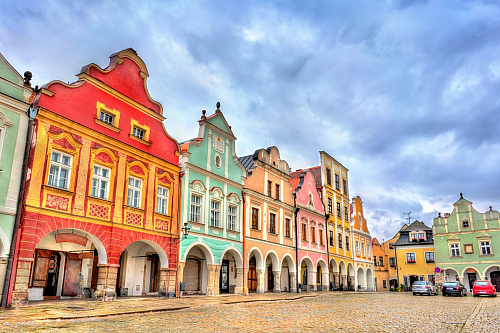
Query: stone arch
{"points": [[321, 262], [236, 254], [370, 279], [360, 276], [274, 258], [447, 271], [204, 248], [159, 250], [489, 269], [259, 259], [308, 261], [290, 262]]}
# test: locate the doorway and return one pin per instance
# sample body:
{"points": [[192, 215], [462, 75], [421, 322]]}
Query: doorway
{"points": [[252, 275], [495, 279], [413, 278], [52, 274], [270, 278], [472, 278], [224, 277]]}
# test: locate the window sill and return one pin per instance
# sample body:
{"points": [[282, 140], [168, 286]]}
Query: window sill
{"points": [[453, 257], [486, 255], [133, 137], [164, 215], [58, 190], [108, 126], [272, 233], [196, 223], [104, 201], [233, 231], [138, 210], [288, 237], [253, 229], [215, 227]]}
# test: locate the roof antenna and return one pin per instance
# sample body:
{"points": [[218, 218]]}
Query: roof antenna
{"points": [[409, 217]]}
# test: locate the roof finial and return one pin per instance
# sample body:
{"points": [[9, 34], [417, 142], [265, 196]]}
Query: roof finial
{"points": [[27, 78], [461, 195], [203, 112], [218, 107]]}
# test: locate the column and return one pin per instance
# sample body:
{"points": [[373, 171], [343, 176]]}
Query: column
{"points": [[20, 292], [211, 280], [311, 281], [167, 283], [216, 280], [106, 282], [325, 280], [181, 276], [260, 280], [293, 282], [239, 281], [277, 281]]}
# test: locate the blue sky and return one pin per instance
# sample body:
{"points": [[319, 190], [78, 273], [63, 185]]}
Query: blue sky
{"points": [[405, 94]]}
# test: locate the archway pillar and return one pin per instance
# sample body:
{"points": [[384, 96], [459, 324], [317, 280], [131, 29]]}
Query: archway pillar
{"points": [[277, 281], [325, 279], [106, 282], [239, 281], [293, 282], [20, 292], [213, 280], [167, 283], [311, 281], [260, 280]]}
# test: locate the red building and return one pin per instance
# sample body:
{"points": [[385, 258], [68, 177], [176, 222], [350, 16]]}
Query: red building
{"points": [[101, 208]]}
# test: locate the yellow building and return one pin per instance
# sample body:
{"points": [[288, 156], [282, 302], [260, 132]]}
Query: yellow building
{"points": [[411, 255], [332, 180]]}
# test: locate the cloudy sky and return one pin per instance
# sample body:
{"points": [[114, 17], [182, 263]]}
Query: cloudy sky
{"points": [[406, 94]]}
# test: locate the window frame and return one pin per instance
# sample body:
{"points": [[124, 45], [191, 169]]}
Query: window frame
{"points": [[313, 234], [272, 223], [337, 182], [278, 192], [331, 238], [465, 222], [304, 232], [339, 210], [328, 176], [411, 257], [134, 188], [198, 205], [60, 165], [231, 225], [346, 214], [215, 214], [288, 227], [269, 188], [485, 247], [471, 247], [344, 185], [255, 218], [392, 261], [455, 251], [357, 247], [321, 243], [347, 243], [340, 240], [429, 257], [330, 205], [100, 179]]}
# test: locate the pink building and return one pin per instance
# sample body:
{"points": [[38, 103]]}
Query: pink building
{"points": [[312, 256]]}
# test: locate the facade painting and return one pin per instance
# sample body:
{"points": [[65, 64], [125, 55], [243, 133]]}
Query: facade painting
{"points": [[414, 252], [381, 267], [467, 244], [333, 183], [15, 99], [211, 258], [311, 229], [100, 214], [270, 231], [363, 253]]}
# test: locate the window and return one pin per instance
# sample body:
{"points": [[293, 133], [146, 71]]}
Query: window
{"points": [[405, 279], [277, 192], [363, 248], [384, 284], [392, 261], [329, 176], [340, 240], [347, 243], [218, 161], [468, 248], [454, 250], [346, 214], [2, 132], [100, 182], [195, 208], [344, 183], [357, 247], [338, 209], [287, 228], [134, 192], [272, 223], [106, 118], [465, 224], [162, 200], [60, 170], [331, 239], [138, 133], [410, 258], [255, 218], [421, 236], [421, 278], [429, 257], [381, 261], [330, 206], [391, 245], [231, 217], [214, 213], [360, 221], [321, 238], [337, 182], [269, 186], [313, 235], [304, 232], [485, 248]]}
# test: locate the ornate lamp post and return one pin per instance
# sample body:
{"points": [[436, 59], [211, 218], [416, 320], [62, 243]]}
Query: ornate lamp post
{"points": [[185, 232]]}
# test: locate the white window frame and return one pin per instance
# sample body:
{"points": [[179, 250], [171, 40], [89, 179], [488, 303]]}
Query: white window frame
{"points": [[429, 252], [2, 134], [133, 200], [339, 212], [98, 179], [232, 217], [193, 206], [106, 118], [363, 247], [454, 249], [412, 254], [59, 166], [485, 248], [357, 247], [215, 214], [138, 132], [162, 200]]}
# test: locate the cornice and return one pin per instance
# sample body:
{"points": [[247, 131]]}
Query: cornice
{"points": [[204, 172], [258, 240], [218, 130], [13, 104], [259, 196]]}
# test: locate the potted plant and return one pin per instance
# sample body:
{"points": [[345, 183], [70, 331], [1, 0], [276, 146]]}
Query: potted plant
{"points": [[410, 262], [400, 288], [392, 289], [414, 240], [430, 261], [421, 239], [393, 265]]}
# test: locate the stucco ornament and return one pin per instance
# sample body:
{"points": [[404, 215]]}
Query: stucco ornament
{"points": [[218, 143]]}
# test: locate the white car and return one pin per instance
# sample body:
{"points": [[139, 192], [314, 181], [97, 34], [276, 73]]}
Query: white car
{"points": [[423, 287]]}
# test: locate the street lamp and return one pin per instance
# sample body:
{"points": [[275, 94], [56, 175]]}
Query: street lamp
{"points": [[185, 232]]}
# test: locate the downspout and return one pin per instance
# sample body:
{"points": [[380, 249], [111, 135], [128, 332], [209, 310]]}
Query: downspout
{"points": [[177, 293], [16, 236], [296, 245], [243, 233], [397, 268], [327, 216]]}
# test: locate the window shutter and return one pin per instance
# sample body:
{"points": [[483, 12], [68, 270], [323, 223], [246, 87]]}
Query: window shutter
{"points": [[41, 268]]}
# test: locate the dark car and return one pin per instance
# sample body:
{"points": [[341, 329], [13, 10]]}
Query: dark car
{"points": [[453, 288]]}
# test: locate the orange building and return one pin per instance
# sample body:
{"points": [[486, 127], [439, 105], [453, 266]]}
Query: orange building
{"points": [[362, 241], [269, 246], [381, 263]]}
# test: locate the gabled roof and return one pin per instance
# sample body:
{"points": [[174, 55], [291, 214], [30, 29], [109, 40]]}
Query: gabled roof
{"points": [[212, 120], [462, 200], [417, 225], [247, 161], [317, 175]]}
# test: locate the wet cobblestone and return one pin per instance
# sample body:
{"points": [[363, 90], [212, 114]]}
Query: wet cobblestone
{"points": [[329, 312]]}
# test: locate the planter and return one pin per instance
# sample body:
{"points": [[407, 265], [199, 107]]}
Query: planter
{"points": [[410, 262], [430, 261], [421, 240]]}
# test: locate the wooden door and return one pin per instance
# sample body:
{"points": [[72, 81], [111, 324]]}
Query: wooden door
{"points": [[72, 272], [252, 275], [495, 279], [95, 272], [41, 268]]}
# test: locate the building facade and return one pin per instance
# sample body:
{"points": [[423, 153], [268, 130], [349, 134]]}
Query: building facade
{"points": [[100, 214], [467, 244], [414, 255], [310, 223], [211, 260], [364, 278], [332, 182], [15, 100], [270, 254], [381, 266]]}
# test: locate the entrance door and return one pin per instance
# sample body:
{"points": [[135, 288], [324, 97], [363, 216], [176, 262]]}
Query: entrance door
{"points": [[413, 278], [495, 279], [95, 272], [304, 275], [252, 275], [71, 285], [52, 275], [270, 278], [192, 276], [224, 277], [155, 272], [472, 278]]}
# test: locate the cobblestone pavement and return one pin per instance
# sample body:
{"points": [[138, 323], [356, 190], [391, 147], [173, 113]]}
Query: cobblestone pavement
{"points": [[328, 312]]}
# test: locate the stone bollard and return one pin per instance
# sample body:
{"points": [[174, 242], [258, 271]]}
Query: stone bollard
{"points": [[105, 295]]}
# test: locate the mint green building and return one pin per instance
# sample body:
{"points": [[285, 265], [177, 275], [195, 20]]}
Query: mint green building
{"points": [[14, 106], [467, 244], [211, 257]]}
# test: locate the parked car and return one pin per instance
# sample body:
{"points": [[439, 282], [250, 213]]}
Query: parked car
{"points": [[423, 287], [484, 287], [453, 288]]}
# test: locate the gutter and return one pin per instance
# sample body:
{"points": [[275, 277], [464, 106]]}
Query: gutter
{"points": [[244, 237], [177, 292], [296, 247]]}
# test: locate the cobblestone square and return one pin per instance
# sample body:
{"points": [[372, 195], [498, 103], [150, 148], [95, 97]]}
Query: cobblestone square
{"points": [[310, 312]]}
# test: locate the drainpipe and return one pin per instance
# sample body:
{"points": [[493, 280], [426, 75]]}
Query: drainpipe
{"points": [[10, 273], [296, 246], [397, 268], [327, 216], [177, 257], [243, 235]]}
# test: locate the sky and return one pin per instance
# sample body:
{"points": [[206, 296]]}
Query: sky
{"points": [[405, 94]]}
